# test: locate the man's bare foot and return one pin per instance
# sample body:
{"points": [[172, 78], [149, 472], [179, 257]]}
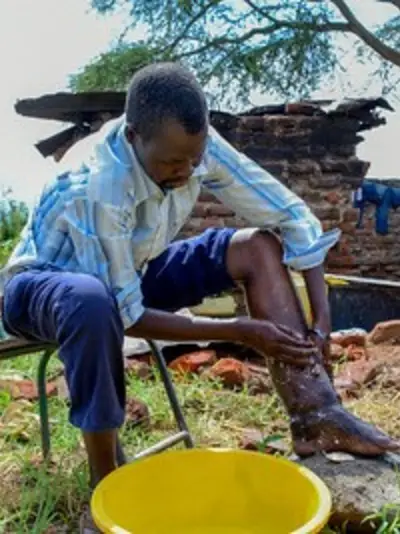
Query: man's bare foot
{"points": [[334, 429]]}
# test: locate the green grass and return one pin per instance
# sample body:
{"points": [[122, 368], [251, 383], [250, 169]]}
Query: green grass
{"points": [[33, 497], [37, 498]]}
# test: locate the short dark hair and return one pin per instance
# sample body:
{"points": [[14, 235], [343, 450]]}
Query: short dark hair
{"points": [[163, 91]]}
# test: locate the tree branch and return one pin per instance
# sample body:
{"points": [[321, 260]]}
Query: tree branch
{"points": [[193, 21], [260, 10], [318, 27], [356, 27], [267, 30]]}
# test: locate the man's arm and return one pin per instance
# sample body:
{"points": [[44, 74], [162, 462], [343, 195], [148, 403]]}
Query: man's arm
{"points": [[269, 339], [105, 245], [265, 202]]}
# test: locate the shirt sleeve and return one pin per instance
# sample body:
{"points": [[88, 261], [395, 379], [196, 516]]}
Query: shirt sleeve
{"points": [[250, 191], [102, 236]]}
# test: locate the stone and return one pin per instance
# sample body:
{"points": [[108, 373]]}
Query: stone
{"points": [[253, 439], [259, 381], [333, 197], [353, 336], [258, 384], [139, 369], [336, 351], [193, 362], [62, 388], [360, 372], [359, 488], [385, 332], [392, 379], [137, 414], [26, 389], [230, 371], [355, 352]]}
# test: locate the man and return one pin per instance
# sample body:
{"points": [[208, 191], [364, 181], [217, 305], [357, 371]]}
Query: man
{"points": [[97, 261]]}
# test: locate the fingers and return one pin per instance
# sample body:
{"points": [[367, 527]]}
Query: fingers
{"points": [[289, 331], [293, 338]]}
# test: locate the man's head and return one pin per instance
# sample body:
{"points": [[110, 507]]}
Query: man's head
{"points": [[167, 122]]}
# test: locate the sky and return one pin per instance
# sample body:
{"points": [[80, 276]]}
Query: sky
{"points": [[43, 41]]}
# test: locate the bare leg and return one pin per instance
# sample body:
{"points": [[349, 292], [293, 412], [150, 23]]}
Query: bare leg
{"points": [[121, 458], [102, 454], [318, 420]]}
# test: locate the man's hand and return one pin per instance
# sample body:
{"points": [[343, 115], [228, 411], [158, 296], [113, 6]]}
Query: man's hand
{"points": [[281, 343]]}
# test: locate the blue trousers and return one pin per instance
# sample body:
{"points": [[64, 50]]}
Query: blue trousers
{"points": [[80, 314]]}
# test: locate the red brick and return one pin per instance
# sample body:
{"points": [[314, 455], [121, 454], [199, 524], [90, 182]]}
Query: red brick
{"points": [[327, 212], [230, 371], [348, 228], [25, 389], [333, 197], [385, 332], [235, 222], [193, 362], [137, 414], [139, 369], [253, 123], [360, 372], [219, 210], [346, 338], [336, 351], [355, 352], [350, 215], [342, 261]]}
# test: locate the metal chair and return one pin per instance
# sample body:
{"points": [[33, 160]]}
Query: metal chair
{"points": [[14, 347]]}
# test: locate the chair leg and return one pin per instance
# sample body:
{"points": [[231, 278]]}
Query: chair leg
{"points": [[173, 400], [43, 407]]}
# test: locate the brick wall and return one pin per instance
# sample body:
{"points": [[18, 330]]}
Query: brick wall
{"points": [[316, 157]]}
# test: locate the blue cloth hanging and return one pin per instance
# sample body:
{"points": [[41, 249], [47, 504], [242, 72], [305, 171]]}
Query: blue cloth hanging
{"points": [[383, 197]]}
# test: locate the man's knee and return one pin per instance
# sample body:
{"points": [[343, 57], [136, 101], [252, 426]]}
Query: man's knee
{"points": [[89, 305], [249, 249]]}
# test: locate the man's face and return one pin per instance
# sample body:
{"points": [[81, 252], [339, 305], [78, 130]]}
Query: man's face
{"points": [[171, 156]]}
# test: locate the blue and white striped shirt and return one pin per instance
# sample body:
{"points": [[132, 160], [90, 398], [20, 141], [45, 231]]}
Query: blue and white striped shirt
{"points": [[108, 219]]}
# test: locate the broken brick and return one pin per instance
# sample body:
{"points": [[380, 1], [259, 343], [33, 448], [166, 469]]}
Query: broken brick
{"points": [[137, 414], [359, 372], [230, 371], [385, 332], [251, 439], [345, 338], [355, 352], [193, 362], [336, 351], [26, 389], [139, 369]]}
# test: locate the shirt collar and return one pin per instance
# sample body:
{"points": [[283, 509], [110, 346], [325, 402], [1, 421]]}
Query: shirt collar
{"points": [[144, 185]]}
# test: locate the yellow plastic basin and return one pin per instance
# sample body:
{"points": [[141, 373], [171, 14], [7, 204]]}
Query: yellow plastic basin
{"points": [[211, 492]]}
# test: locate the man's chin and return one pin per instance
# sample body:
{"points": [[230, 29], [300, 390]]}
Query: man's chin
{"points": [[175, 184]]}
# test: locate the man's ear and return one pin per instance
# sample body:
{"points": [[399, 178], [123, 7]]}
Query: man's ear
{"points": [[130, 134]]}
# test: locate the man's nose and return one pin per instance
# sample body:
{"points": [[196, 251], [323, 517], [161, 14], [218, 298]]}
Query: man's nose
{"points": [[186, 170]]}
